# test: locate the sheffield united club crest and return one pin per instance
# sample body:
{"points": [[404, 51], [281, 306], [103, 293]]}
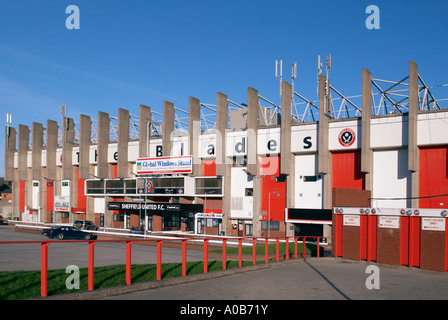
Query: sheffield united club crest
{"points": [[347, 137]]}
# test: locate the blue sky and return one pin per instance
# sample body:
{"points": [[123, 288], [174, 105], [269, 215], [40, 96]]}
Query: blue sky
{"points": [[135, 52]]}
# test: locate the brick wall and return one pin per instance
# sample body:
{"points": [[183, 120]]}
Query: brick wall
{"points": [[350, 234], [351, 198], [350, 242], [432, 255], [388, 246]]}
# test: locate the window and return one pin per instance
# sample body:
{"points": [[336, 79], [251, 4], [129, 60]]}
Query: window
{"points": [[248, 230], [115, 186], [171, 221], [169, 183], [240, 161], [94, 186], [270, 225], [311, 178], [130, 186], [249, 192], [118, 217], [208, 185]]}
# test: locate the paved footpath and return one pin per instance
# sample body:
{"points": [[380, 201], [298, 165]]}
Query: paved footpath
{"points": [[302, 279]]}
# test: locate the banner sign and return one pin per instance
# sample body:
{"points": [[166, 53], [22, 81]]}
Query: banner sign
{"points": [[154, 207], [164, 165], [209, 215], [62, 203]]}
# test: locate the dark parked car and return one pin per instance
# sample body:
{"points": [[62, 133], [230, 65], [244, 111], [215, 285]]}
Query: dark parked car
{"points": [[85, 225], [136, 230], [2, 220], [68, 233]]}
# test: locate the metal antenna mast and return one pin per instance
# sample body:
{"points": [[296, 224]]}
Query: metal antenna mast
{"points": [[327, 82], [279, 72]]}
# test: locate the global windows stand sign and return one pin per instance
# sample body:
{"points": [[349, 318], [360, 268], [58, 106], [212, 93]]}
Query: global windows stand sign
{"points": [[165, 165]]}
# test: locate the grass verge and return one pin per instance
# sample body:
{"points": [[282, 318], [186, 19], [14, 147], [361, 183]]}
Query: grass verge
{"points": [[18, 285]]}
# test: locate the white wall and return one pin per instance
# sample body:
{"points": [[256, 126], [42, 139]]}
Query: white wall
{"points": [[391, 179], [308, 194], [240, 205]]}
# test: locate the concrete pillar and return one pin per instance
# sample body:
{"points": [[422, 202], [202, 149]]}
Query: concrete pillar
{"points": [[36, 152], [103, 145], [285, 133], [37, 139], [413, 151], [144, 133], [324, 156], [52, 144], [366, 152], [222, 166], [222, 116], [10, 149], [23, 148], [11, 174], [23, 173], [287, 163], [253, 112], [167, 128], [85, 133], [68, 138], [194, 131], [15, 195], [123, 142]]}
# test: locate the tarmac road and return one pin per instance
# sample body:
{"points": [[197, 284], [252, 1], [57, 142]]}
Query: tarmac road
{"points": [[26, 256], [303, 279], [308, 279]]}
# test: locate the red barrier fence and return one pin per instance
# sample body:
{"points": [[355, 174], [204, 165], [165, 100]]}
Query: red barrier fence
{"points": [[159, 243]]}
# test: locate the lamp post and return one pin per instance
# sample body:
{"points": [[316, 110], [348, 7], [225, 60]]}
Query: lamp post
{"points": [[269, 211]]}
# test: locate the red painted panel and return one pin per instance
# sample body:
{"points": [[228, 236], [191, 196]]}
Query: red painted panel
{"points": [[50, 195], [414, 241], [117, 199], [433, 177], [338, 220], [446, 246], [363, 232], [347, 170], [209, 168], [82, 198], [372, 238], [276, 204], [114, 171], [404, 241], [213, 205], [21, 195]]}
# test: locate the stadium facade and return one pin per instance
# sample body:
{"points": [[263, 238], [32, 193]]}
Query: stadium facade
{"points": [[251, 171]]}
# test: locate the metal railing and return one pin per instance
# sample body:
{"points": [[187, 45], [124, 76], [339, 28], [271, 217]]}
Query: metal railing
{"points": [[183, 243]]}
